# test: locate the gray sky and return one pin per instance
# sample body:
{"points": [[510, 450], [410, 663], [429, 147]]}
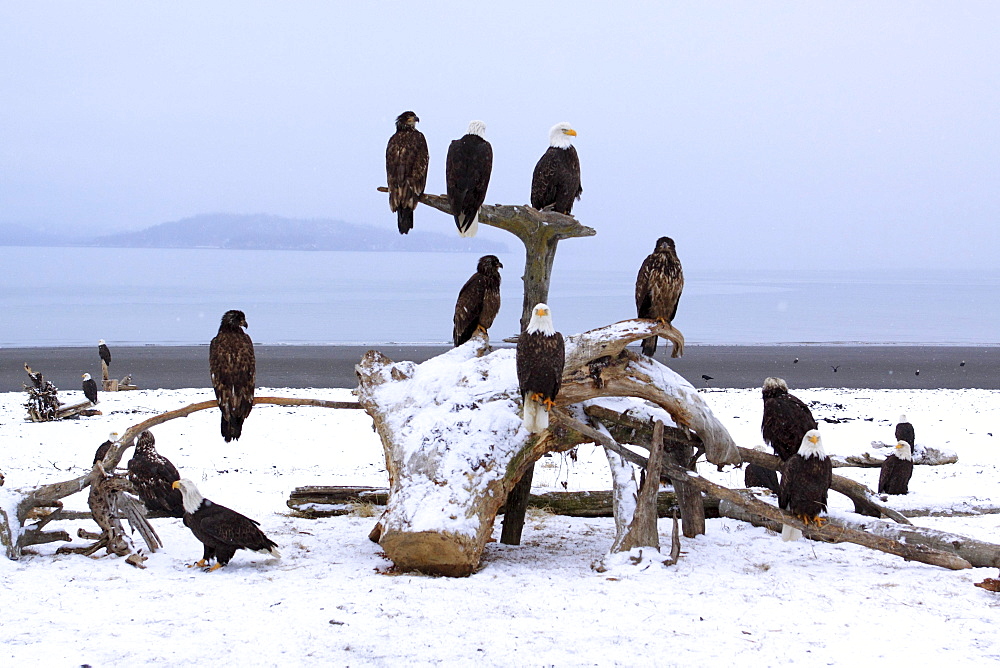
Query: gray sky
{"points": [[777, 134]]}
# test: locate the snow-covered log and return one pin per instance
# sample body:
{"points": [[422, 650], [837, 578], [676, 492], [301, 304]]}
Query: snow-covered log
{"points": [[455, 446], [924, 456]]}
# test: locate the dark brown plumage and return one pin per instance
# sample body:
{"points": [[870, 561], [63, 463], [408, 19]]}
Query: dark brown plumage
{"points": [[541, 356], [234, 372], [897, 469], [102, 449], [406, 159], [467, 176], [805, 483], [904, 432], [90, 388], [658, 287], [556, 179], [221, 530], [104, 352], [152, 475], [478, 301], [786, 419], [758, 476]]}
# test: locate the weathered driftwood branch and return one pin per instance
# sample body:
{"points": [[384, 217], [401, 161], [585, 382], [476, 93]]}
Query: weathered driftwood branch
{"points": [[642, 530], [926, 456], [416, 420], [12, 536]]}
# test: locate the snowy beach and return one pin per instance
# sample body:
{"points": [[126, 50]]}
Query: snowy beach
{"points": [[332, 599]]}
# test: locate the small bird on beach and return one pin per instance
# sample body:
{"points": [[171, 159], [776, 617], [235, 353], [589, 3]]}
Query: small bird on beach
{"points": [[705, 377], [835, 368], [962, 363], [795, 361], [917, 373]]}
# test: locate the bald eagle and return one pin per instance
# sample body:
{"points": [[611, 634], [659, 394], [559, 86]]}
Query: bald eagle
{"points": [[104, 352], [758, 476], [152, 475], [904, 432], [406, 160], [467, 175], [478, 300], [221, 530], [234, 372], [102, 449], [658, 288], [89, 388], [541, 355], [896, 470], [556, 179], [786, 419], [805, 483]]}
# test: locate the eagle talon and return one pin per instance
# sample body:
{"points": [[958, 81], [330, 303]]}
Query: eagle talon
{"points": [[548, 403], [201, 563]]}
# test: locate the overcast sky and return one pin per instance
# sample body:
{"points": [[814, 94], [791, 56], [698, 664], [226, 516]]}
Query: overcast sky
{"points": [[781, 134]]}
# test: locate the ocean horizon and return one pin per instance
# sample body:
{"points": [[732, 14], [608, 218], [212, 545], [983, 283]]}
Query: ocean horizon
{"points": [[132, 297]]}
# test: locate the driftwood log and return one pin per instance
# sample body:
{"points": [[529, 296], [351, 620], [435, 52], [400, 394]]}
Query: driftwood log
{"points": [[17, 506], [448, 533], [43, 403], [926, 456]]}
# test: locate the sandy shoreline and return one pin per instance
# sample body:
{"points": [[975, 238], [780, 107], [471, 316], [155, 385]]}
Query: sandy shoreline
{"points": [[858, 366]]}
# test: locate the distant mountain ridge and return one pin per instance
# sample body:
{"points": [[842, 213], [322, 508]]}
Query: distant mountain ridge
{"points": [[258, 232]]}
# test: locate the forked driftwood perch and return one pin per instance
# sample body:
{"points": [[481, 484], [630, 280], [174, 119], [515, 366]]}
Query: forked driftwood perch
{"points": [[455, 446], [17, 505]]}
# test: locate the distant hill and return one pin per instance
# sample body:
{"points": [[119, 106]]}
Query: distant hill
{"points": [[259, 232]]}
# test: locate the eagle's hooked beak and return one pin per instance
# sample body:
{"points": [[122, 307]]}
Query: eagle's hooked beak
{"points": [[814, 439], [569, 131], [176, 484]]}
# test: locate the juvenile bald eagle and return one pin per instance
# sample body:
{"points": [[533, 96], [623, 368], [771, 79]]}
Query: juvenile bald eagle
{"points": [[152, 475], [541, 355], [104, 352], [658, 288], [406, 160], [478, 300], [758, 476], [556, 179], [786, 419], [234, 372], [897, 469], [904, 432], [805, 483], [222, 531], [467, 175], [89, 388]]}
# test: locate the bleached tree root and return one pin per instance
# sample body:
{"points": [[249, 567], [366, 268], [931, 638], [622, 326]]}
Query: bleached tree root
{"points": [[17, 505]]}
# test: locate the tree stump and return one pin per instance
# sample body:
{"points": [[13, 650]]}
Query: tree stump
{"points": [[455, 446]]}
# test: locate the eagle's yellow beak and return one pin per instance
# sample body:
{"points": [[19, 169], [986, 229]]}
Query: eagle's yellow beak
{"points": [[569, 131], [176, 484], [814, 439], [542, 312]]}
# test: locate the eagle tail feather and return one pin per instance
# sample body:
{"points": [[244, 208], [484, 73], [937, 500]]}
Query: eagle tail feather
{"points": [[536, 418], [789, 533], [404, 219], [649, 346]]}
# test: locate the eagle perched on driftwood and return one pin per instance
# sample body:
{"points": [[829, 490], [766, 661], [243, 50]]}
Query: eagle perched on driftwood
{"points": [[806, 484], [406, 159], [234, 372], [556, 179], [478, 300], [658, 288], [90, 388], [221, 530], [104, 352], [786, 419], [897, 469], [467, 176], [152, 475], [541, 355]]}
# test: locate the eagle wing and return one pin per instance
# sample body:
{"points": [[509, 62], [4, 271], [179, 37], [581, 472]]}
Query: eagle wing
{"points": [[152, 477], [658, 287], [469, 308], [540, 362], [234, 372], [406, 160], [230, 528], [786, 421], [467, 173], [805, 484], [556, 180], [904, 432]]}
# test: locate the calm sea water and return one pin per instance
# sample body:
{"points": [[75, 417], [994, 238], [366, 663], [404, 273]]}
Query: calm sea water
{"points": [[75, 296]]}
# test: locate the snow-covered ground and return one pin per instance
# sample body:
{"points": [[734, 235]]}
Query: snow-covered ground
{"points": [[738, 593]]}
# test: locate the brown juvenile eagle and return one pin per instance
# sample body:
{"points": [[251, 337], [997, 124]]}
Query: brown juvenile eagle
{"points": [[406, 159], [805, 484], [786, 419], [541, 355], [222, 531], [478, 300], [658, 288], [234, 372], [556, 179], [467, 176], [152, 475]]}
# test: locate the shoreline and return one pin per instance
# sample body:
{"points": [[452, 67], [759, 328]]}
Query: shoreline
{"points": [[858, 366]]}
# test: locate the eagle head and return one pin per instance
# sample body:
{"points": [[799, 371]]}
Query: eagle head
{"points": [[86, 376], [488, 264], [477, 128], [146, 440], [234, 319], [407, 119], [541, 320], [774, 386], [664, 244], [812, 445], [561, 134], [903, 450], [190, 496], [100, 342]]}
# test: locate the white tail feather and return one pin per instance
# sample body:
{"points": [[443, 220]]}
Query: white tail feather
{"points": [[789, 533], [536, 418], [472, 229]]}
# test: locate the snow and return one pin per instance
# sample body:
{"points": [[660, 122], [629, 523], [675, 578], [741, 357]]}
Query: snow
{"points": [[737, 593]]}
